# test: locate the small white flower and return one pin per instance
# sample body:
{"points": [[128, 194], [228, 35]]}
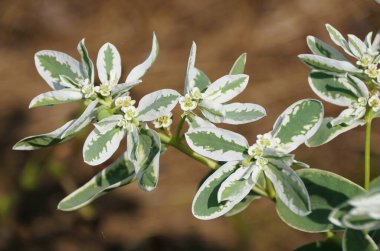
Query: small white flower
{"points": [[123, 123], [196, 93], [103, 89], [267, 140], [374, 102], [83, 82], [261, 162], [130, 113], [88, 90], [361, 102], [163, 121], [124, 102], [372, 71], [187, 103], [255, 150], [365, 61]]}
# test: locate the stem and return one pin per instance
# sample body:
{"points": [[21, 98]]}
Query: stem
{"points": [[179, 128], [367, 153], [270, 190]]}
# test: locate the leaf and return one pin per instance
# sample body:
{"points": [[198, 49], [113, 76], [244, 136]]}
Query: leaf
{"points": [[239, 65], [56, 97], [338, 39], [375, 183], [243, 204], [52, 64], [375, 47], [326, 191], [361, 89], [86, 65], [84, 118], [119, 173], [212, 110], [358, 241], [326, 132], [147, 159], [195, 121], [108, 64], [123, 88], [45, 140], [298, 123], [334, 89], [242, 113], [157, 104], [289, 188], [205, 204], [108, 123], [327, 64], [357, 47], [199, 79], [99, 146], [216, 143], [226, 88], [189, 70], [140, 70], [320, 48]]}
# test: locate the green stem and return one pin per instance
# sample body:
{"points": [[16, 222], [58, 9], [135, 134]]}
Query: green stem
{"points": [[367, 153], [179, 128], [270, 190]]}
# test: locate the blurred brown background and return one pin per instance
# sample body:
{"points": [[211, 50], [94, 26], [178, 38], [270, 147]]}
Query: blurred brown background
{"points": [[271, 32]]}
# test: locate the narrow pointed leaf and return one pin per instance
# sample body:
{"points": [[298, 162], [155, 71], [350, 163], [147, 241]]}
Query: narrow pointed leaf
{"points": [[212, 110], [84, 118], [108, 123], [290, 189], [326, 132], [338, 39], [198, 78], [119, 173], [190, 66], [123, 88], [328, 65], [56, 98], [298, 123], [357, 47], [218, 144], [140, 70], [239, 65], [52, 64], [226, 88], [45, 140], [320, 48], [86, 65], [331, 88], [195, 121], [99, 147], [157, 104], [327, 191], [205, 204], [242, 113], [108, 64]]}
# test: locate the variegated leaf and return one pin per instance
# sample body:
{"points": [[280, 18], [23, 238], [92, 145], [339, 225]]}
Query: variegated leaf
{"points": [[205, 204], [108, 64], [147, 159], [338, 39], [242, 113], [190, 66], [212, 110], [68, 82], [86, 65], [226, 88], [84, 118], [361, 89], [326, 132], [320, 48], [298, 123], [99, 146], [243, 204], [195, 121], [121, 172], [357, 46], [218, 144], [108, 123], [357, 240], [289, 188], [198, 79], [52, 64], [140, 70], [45, 140], [56, 97], [331, 88], [328, 64], [123, 88], [157, 104], [375, 47], [239, 65]]}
